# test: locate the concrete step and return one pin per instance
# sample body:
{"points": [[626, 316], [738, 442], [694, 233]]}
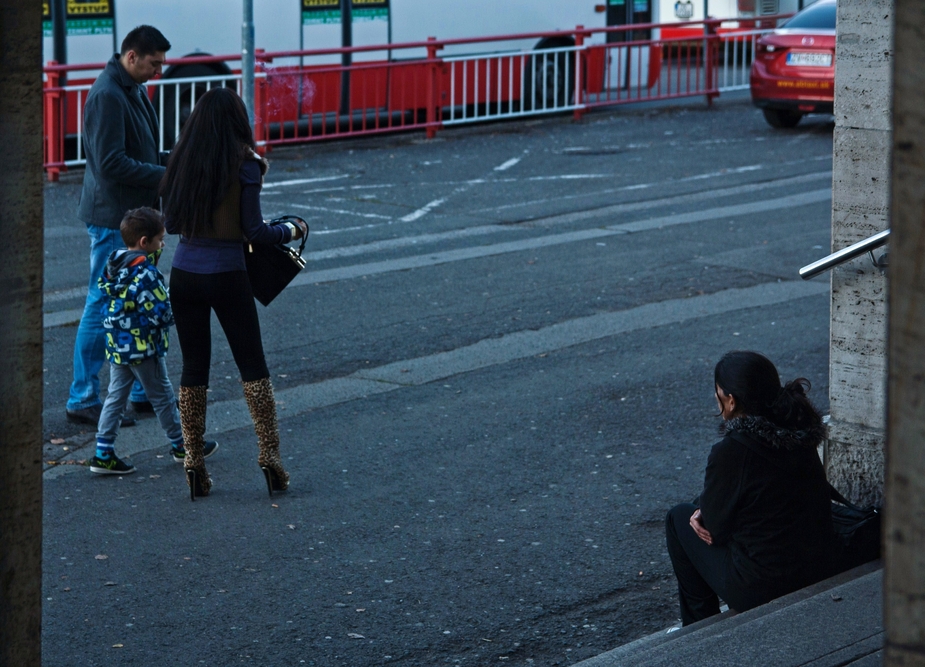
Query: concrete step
{"points": [[834, 623]]}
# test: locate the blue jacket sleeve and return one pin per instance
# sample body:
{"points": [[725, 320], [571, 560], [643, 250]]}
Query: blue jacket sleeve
{"points": [[105, 133], [255, 230]]}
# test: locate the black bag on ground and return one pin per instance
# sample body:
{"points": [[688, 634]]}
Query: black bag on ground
{"points": [[271, 267], [857, 531]]}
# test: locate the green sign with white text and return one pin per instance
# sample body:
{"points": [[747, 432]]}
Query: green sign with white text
{"points": [[328, 11], [84, 17]]}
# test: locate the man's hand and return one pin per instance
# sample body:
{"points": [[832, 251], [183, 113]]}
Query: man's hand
{"points": [[697, 525]]}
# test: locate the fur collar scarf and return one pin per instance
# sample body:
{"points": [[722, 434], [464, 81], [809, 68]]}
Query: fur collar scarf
{"points": [[774, 436]]}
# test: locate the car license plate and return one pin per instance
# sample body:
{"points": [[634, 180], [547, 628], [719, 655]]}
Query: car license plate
{"points": [[809, 59]]}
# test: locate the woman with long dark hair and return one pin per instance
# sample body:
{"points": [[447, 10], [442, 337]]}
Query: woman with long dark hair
{"points": [[763, 527], [211, 197]]}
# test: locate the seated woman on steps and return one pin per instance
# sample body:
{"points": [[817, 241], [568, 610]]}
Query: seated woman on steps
{"points": [[763, 527]]}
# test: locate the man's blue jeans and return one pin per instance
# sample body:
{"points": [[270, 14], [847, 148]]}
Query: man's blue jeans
{"points": [[90, 348]]}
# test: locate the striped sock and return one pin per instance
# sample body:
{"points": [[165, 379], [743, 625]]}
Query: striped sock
{"points": [[104, 450]]}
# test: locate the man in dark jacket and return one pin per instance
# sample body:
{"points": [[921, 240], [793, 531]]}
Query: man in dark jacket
{"points": [[120, 139]]}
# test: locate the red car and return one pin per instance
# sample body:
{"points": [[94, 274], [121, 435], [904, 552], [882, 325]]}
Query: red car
{"points": [[794, 69]]}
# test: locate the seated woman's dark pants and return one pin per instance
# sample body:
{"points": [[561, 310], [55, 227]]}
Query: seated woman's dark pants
{"points": [[706, 573], [193, 297]]}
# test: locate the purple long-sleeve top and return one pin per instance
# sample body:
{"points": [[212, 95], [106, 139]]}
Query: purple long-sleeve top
{"points": [[204, 255]]}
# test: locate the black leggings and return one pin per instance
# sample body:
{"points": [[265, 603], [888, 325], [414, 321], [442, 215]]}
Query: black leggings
{"points": [[707, 572], [193, 296]]}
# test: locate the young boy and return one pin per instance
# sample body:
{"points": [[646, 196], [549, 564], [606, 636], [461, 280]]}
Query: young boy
{"points": [[137, 317]]}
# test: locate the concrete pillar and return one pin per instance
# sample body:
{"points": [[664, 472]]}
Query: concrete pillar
{"points": [[904, 532], [21, 264], [860, 208]]}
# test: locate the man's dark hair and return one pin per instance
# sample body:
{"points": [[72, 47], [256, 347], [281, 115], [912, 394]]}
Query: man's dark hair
{"points": [[145, 40], [140, 222]]}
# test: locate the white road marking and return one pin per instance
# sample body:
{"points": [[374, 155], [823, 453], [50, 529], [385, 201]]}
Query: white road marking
{"points": [[233, 414], [736, 210], [705, 194], [404, 242], [507, 165], [724, 172], [566, 218], [424, 210], [325, 232], [445, 257], [570, 177], [462, 254], [308, 207], [301, 181], [61, 318]]}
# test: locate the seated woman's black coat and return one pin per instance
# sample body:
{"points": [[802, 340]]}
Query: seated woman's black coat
{"points": [[766, 497]]}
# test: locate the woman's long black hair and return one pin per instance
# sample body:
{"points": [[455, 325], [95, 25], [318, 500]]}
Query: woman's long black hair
{"points": [[753, 380], [206, 159]]}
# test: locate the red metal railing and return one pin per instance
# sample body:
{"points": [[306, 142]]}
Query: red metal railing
{"points": [[302, 96]]}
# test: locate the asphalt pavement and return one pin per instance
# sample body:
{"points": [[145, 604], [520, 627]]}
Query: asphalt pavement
{"points": [[494, 378]]}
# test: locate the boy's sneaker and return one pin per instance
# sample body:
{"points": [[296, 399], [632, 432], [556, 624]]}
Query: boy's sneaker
{"points": [[208, 449], [111, 465]]}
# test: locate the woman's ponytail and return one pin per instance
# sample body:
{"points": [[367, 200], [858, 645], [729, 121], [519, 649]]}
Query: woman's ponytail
{"points": [[792, 409]]}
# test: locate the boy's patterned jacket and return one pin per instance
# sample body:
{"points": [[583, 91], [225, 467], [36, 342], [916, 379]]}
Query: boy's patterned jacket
{"points": [[137, 315]]}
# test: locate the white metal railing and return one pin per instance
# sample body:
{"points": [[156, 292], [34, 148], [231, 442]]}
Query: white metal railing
{"points": [[196, 86], [736, 53], [543, 81], [511, 84]]}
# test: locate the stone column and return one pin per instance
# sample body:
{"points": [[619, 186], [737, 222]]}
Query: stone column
{"points": [[904, 532], [21, 264], [860, 208]]}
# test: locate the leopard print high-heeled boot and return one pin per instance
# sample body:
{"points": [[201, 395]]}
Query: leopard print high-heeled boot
{"points": [[193, 422], [262, 405]]}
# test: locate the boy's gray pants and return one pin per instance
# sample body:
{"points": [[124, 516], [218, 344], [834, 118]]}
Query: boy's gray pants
{"points": [[152, 374]]}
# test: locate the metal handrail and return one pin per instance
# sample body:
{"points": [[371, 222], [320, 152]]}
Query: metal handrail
{"points": [[868, 245]]}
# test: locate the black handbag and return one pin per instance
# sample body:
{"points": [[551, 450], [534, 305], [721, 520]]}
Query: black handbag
{"points": [[271, 267], [857, 531]]}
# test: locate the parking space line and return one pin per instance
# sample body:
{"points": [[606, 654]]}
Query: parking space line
{"points": [[405, 242], [302, 181], [424, 210], [357, 214], [507, 165]]}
